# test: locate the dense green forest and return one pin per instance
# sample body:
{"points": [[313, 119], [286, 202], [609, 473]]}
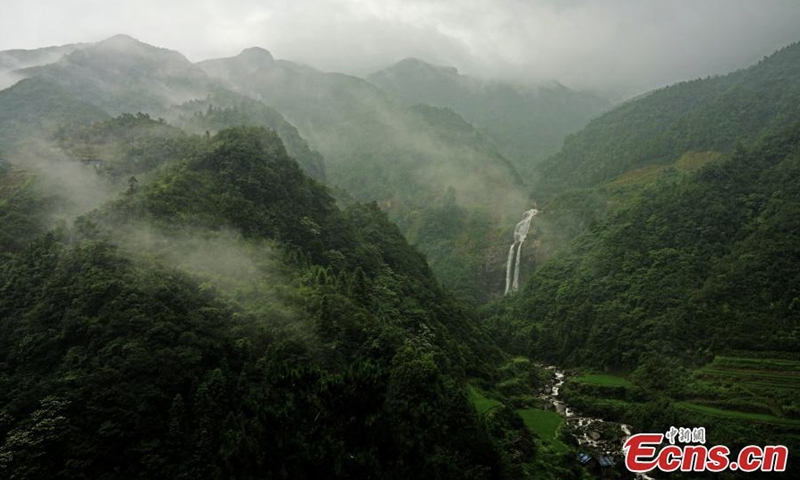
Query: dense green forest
{"points": [[249, 268], [671, 263], [314, 341], [412, 160], [704, 114], [696, 263]]}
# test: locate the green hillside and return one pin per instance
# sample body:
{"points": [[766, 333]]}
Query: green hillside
{"points": [[34, 109], [714, 113], [328, 351], [528, 122], [121, 74], [226, 110], [418, 163], [257, 269], [694, 263]]}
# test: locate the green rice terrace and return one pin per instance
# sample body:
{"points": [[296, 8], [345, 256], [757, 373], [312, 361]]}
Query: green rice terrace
{"points": [[546, 424], [603, 380], [482, 403], [753, 389]]}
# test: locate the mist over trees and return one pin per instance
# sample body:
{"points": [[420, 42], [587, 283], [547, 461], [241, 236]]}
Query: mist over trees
{"points": [[246, 267]]}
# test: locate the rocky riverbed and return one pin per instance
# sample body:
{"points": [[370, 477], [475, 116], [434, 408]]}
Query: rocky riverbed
{"points": [[595, 435]]}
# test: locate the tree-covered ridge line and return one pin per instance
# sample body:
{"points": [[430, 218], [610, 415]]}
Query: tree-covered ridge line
{"points": [[375, 147], [341, 358], [704, 114]]}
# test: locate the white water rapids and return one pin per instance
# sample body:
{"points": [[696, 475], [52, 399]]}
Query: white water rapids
{"points": [[586, 430], [515, 252]]}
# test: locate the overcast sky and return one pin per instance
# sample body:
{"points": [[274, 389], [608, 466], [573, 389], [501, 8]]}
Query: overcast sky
{"points": [[619, 45]]}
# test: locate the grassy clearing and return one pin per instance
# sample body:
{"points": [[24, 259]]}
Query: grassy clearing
{"points": [[638, 176], [481, 403], [545, 424], [604, 380], [691, 161], [732, 414]]}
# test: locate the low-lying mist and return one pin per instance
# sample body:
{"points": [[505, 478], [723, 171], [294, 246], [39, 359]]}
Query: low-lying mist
{"points": [[249, 273], [75, 188]]}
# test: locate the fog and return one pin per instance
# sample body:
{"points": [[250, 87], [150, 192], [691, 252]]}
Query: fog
{"points": [[247, 272], [625, 46], [75, 189]]}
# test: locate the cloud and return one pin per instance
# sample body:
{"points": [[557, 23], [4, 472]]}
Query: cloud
{"points": [[624, 45]]}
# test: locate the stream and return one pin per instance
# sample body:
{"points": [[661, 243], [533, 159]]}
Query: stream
{"points": [[587, 430]]}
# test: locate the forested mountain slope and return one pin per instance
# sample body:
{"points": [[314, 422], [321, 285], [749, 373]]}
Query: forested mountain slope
{"points": [[34, 109], [121, 74], [695, 264], [375, 148], [225, 319], [527, 122], [705, 114], [12, 60], [89, 82], [410, 160], [227, 109], [687, 288]]}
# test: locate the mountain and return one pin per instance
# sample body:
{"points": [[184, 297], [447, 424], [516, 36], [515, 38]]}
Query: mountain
{"points": [[181, 296], [407, 159], [11, 60], [227, 109], [227, 319], [695, 263], [680, 194], [658, 128], [375, 147], [528, 122], [358, 127], [667, 257], [121, 74], [34, 108], [16, 59]]}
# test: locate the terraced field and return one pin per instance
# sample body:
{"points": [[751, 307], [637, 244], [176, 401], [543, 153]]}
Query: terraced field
{"points": [[755, 389], [753, 417]]}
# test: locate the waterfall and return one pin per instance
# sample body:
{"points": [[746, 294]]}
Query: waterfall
{"points": [[509, 263], [520, 232]]}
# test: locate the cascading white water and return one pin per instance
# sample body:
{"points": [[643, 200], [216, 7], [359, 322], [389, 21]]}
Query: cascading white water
{"points": [[520, 232], [509, 265]]}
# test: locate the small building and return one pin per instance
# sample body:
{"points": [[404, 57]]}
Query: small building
{"points": [[605, 461]]}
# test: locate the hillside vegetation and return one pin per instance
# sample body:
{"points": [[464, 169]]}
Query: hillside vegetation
{"points": [[713, 113]]}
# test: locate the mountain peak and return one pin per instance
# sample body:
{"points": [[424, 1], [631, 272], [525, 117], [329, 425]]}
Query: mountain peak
{"points": [[120, 40], [121, 48], [257, 56], [415, 64]]}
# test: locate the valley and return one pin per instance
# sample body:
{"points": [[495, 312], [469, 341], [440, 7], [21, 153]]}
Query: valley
{"points": [[247, 267]]}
